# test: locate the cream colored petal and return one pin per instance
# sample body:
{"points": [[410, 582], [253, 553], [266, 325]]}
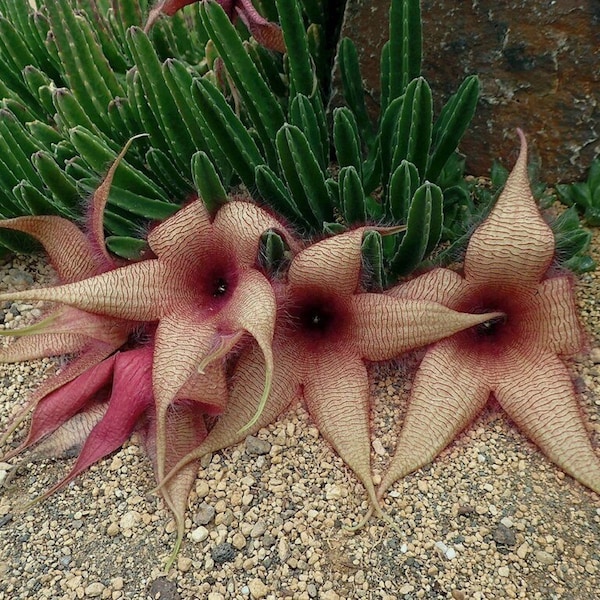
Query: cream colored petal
{"points": [[514, 245], [181, 341], [336, 391], [139, 292], [183, 237], [538, 395], [238, 226], [438, 285], [555, 323], [449, 390], [384, 327], [332, 265], [244, 398], [252, 308], [68, 248]]}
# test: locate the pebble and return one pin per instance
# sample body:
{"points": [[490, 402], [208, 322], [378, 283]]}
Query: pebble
{"points": [[130, 520], [199, 534], [257, 588], [238, 541], [504, 571], [523, 550], [259, 529], [94, 590], [330, 595], [544, 557], [163, 589], [595, 355], [256, 446], [204, 515], [407, 588]]}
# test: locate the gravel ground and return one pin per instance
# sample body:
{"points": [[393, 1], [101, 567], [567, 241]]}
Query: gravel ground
{"points": [[491, 518]]}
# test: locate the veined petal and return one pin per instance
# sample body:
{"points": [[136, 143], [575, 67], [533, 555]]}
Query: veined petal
{"points": [[183, 237], [68, 248], [208, 390], [253, 308], [238, 226], [181, 342], [67, 322], [244, 398], [137, 292], [336, 392], [70, 437], [438, 285], [539, 397], [332, 265], [42, 345], [58, 406], [449, 390], [90, 356], [385, 326], [556, 325], [514, 246], [185, 430]]}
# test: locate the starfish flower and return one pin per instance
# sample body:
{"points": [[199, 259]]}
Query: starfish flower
{"points": [[75, 255], [517, 358], [202, 289], [265, 32], [326, 329]]}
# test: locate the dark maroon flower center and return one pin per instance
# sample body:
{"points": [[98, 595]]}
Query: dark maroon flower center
{"points": [[220, 286], [316, 317], [492, 327]]}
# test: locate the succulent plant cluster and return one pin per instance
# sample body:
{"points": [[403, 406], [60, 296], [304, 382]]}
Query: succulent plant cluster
{"points": [[259, 279]]}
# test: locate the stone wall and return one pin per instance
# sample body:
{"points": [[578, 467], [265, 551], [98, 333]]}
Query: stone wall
{"points": [[538, 62]]}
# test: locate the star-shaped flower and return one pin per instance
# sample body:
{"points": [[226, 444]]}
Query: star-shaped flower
{"points": [[203, 289], [265, 32], [517, 358], [326, 329]]}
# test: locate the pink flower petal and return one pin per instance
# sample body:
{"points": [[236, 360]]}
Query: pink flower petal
{"points": [[438, 285], [131, 396], [264, 32], [57, 406], [89, 357]]}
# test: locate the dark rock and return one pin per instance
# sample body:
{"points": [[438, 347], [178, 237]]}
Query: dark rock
{"points": [[223, 553], [163, 589], [7, 518], [504, 535]]}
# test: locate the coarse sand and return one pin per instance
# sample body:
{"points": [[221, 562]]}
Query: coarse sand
{"points": [[491, 518]]}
